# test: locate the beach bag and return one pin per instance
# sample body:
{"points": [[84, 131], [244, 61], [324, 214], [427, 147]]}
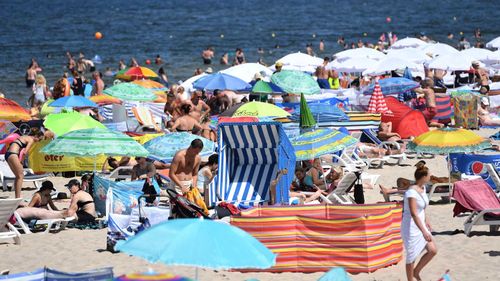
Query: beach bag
{"points": [[149, 189], [465, 111], [359, 196], [225, 209]]}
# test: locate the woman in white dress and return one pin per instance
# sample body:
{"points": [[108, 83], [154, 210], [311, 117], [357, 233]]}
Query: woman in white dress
{"points": [[415, 228]]}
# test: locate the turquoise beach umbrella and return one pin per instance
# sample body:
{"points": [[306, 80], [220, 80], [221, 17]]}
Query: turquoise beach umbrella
{"points": [[174, 242], [323, 141], [130, 92], [163, 148], [296, 82]]}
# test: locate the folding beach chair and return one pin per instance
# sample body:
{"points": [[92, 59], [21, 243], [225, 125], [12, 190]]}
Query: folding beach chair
{"points": [[7, 176], [341, 194], [389, 145], [478, 197], [50, 225], [145, 118], [7, 230]]}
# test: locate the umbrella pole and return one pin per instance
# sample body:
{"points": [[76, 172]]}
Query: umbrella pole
{"points": [[449, 177]]}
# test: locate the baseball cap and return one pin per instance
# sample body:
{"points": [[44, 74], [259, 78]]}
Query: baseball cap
{"points": [[72, 182], [47, 185]]}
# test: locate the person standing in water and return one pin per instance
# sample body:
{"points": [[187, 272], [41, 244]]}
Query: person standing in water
{"points": [[207, 55]]}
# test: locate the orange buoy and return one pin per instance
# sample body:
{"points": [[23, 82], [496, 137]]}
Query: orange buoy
{"points": [[98, 35]]}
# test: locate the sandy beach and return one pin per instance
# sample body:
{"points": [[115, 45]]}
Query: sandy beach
{"points": [[467, 258]]}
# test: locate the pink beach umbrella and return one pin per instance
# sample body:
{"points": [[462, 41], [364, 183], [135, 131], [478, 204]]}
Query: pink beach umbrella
{"points": [[377, 102]]}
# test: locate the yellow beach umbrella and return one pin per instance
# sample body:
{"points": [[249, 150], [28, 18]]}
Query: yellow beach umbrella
{"points": [[448, 140]]}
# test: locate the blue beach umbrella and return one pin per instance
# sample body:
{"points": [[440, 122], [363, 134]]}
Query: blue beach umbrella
{"points": [[73, 101], [163, 148], [391, 86], [221, 81], [323, 141], [174, 243]]}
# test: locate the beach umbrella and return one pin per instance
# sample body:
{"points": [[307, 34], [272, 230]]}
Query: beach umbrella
{"points": [[319, 142], [407, 74], [94, 142], [408, 42], [255, 109], [306, 117], [6, 128], [73, 101], [359, 53], [247, 71], [12, 111], [448, 140], [495, 43], [377, 102], [299, 62], [224, 246], [130, 92], [392, 86], [452, 62], [62, 123], [151, 276], [390, 64], [163, 148], [188, 84], [105, 100], [477, 53], [135, 73], [221, 81], [438, 49], [413, 55], [265, 88], [352, 64], [296, 82], [150, 84], [335, 274], [493, 57]]}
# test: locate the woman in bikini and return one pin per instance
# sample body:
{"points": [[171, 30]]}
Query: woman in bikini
{"points": [[186, 123], [82, 204], [13, 159], [42, 198]]}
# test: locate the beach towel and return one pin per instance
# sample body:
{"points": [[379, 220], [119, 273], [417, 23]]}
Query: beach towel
{"points": [[195, 197], [465, 111], [444, 111], [474, 195]]}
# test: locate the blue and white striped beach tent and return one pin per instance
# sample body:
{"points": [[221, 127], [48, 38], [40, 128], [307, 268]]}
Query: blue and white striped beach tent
{"points": [[250, 156]]}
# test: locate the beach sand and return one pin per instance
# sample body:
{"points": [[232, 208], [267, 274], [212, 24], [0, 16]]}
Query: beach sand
{"points": [[467, 258]]}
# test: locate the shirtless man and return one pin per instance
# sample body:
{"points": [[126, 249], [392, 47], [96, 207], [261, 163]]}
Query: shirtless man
{"points": [[185, 166], [430, 99], [200, 108], [98, 86], [484, 115], [185, 123], [30, 76], [207, 55], [438, 78], [71, 62], [481, 77]]}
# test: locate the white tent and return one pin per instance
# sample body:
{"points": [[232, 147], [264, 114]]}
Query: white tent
{"points": [[409, 54], [247, 71], [299, 61], [352, 65], [366, 53], [390, 64], [408, 42], [452, 62], [495, 43], [477, 53], [438, 49]]}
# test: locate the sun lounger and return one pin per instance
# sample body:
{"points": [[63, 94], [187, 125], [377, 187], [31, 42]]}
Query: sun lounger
{"points": [[120, 173], [340, 194], [494, 177], [389, 145], [478, 197], [7, 230], [54, 225], [7, 176], [145, 118]]}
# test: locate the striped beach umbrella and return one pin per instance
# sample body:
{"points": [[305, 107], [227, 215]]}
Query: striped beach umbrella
{"points": [[323, 141], [135, 73], [377, 102], [93, 142], [12, 111]]}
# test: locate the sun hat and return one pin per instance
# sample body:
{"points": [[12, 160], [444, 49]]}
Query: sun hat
{"points": [[47, 185], [485, 101], [72, 182]]}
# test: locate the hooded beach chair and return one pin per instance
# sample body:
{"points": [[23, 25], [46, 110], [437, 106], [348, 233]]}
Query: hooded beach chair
{"points": [[7, 230], [478, 197], [251, 155], [7, 176]]}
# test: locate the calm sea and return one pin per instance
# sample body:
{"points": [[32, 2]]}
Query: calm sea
{"points": [[179, 30]]}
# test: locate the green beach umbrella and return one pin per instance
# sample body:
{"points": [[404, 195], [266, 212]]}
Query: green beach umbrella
{"points": [[262, 87], [306, 117], [61, 123], [296, 82], [94, 142], [130, 92]]}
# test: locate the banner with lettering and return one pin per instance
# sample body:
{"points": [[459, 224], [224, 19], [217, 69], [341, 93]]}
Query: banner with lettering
{"points": [[40, 162]]}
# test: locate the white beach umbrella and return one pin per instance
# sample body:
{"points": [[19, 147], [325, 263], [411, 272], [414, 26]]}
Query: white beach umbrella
{"points": [[366, 53], [493, 57], [409, 54], [299, 61], [408, 42], [390, 64], [452, 62], [188, 84], [352, 65], [247, 71], [438, 49], [495, 43], [477, 53]]}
